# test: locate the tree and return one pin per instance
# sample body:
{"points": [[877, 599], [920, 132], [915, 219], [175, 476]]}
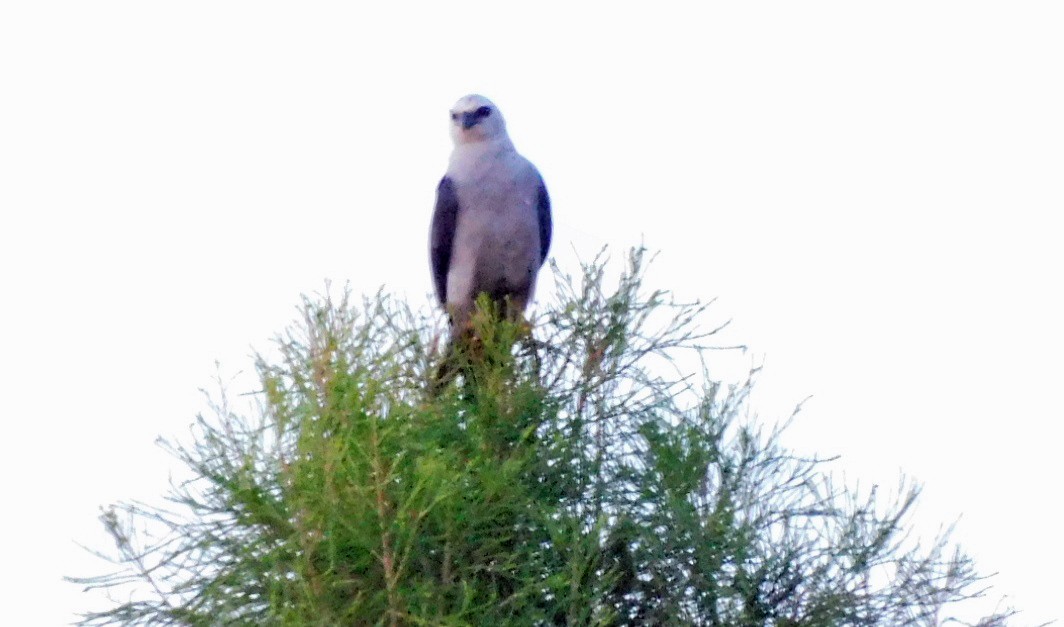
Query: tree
{"points": [[563, 478]]}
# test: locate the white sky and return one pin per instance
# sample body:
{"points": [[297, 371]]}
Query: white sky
{"points": [[869, 188]]}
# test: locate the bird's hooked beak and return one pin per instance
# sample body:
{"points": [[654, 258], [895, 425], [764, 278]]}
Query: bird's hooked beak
{"points": [[469, 119]]}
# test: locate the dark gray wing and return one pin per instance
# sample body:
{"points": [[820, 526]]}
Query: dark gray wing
{"points": [[441, 236], [546, 227]]}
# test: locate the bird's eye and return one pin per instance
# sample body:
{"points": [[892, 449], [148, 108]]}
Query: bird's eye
{"points": [[483, 112], [454, 116]]}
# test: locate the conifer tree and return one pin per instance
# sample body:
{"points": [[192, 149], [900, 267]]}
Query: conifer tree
{"points": [[569, 477]]}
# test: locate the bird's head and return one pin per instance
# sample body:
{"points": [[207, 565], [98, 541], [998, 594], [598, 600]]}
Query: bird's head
{"points": [[476, 119]]}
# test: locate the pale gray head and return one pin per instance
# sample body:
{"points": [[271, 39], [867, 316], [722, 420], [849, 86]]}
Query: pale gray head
{"points": [[474, 118]]}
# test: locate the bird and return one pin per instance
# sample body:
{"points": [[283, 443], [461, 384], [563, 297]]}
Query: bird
{"points": [[491, 227]]}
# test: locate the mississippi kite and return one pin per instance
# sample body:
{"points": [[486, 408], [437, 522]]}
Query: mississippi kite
{"points": [[491, 228]]}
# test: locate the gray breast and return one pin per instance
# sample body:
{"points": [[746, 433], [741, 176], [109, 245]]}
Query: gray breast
{"points": [[496, 248]]}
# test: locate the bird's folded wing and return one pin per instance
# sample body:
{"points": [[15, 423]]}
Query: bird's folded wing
{"points": [[441, 236]]}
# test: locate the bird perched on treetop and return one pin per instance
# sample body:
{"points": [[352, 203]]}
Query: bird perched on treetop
{"points": [[491, 228]]}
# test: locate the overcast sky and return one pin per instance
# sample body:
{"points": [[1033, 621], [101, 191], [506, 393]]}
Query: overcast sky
{"points": [[872, 191]]}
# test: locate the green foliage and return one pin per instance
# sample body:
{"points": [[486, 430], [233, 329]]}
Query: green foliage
{"points": [[559, 479]]}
